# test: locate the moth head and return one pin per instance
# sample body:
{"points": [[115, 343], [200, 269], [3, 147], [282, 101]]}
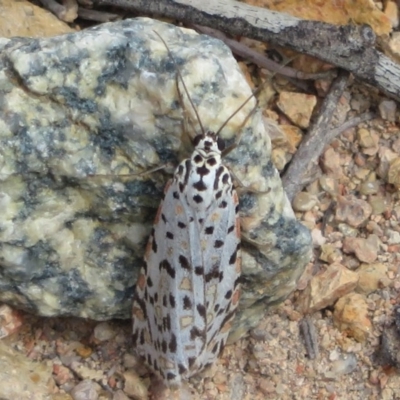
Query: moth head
{"points": [[209, 142]]}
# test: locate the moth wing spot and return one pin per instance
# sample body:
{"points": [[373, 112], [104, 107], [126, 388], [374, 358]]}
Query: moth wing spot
{"points": [[185, 284], [178, 209], [237, 226], [190, 348], [238, 266], [138, 313], [211, 290], [158, 312], [148, 250], [169, 364], [186, 321], [236, 297], [141, 282], [226, 327], [147, 338], [215, 217]]}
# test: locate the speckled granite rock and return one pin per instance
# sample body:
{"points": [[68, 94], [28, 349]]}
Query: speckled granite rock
{"points": [[80, 110]]}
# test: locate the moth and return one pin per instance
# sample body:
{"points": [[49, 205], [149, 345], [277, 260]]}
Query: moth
{"points": [[188, 289]]}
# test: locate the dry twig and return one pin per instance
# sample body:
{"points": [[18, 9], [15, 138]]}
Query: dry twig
{"points": [[307, 329], [349, 47], [314, 142], [67, 12], [257, 58], [95, 15]]}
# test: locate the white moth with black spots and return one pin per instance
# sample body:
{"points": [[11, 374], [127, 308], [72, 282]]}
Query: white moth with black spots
{"points": [[188, 291]]}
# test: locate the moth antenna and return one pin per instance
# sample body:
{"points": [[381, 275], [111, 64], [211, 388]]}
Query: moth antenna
{"points": [[254, 94], [183, 82]]}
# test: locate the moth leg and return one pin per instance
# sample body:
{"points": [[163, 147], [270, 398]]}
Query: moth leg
{"points": [[125, 177]]}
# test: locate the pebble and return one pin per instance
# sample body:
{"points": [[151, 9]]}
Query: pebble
{"points": [[352, 210], [10, 320], [366, 250], [325, 288], [85, 390], [130, 361], [280, 158], [372, 277], [304, 201], [334, 355], [394, 43], [396, 146], [330, 254], [22, 18], [86, 372], [329, 185], [293, 136], [219, 378], [361, 174], [367, 188], [134, 386], [360, 103], [84, 351], [386, 156], [347, 230], [367, 139], [104, 331], [373, 227], [120, 395], [380, 203], [298, 107], [387, 110], [61, 374], [372, 149], [344, 365], [351, 316], [394, 173], [331, 163], [266, 386], [392, 12], [317, 237]]}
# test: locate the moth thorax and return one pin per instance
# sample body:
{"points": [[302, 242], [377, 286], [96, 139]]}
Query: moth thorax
{"points": [[209, 160]]}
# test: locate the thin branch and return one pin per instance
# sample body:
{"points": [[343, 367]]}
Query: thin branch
{"points": [[351, 123], [349, 47], [307, 165], [308, 331], [257, 58], [314, 142], [67, 12], [98, 16]]}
